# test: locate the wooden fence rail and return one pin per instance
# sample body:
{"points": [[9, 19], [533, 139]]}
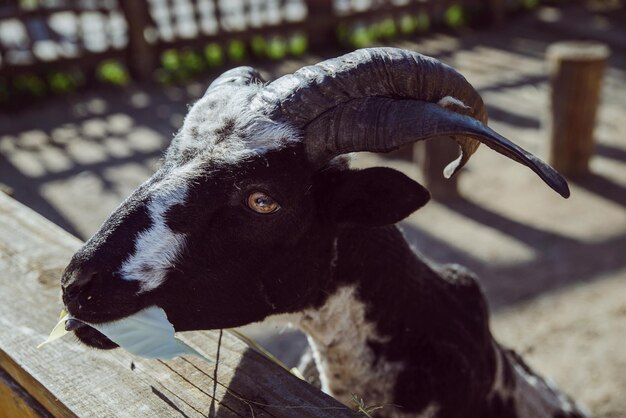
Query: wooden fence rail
{"points": [[67, 379]]}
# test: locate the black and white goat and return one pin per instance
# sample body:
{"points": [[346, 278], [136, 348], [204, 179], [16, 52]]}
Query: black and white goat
{"points": [[255, 214]]}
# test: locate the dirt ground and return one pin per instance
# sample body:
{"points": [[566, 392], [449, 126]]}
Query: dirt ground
{"points": [[577, 337], [553, 270]]}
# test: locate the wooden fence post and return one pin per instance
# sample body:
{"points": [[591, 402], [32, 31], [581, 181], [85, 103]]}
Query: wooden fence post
{"points": [[576, 72], [432, 156], [321, 31], [141, 57], [497, 11]]}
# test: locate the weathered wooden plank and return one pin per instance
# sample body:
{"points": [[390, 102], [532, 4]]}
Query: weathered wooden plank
{"points": [[69, 379], [15, 402]]}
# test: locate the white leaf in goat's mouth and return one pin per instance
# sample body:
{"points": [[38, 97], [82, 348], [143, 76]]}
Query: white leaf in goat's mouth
{"points": [[59, 330], [148, 333]]}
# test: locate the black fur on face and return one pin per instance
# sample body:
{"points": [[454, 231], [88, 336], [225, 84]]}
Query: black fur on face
{"points": [[187, 241], [236, 266], [240, 266]]}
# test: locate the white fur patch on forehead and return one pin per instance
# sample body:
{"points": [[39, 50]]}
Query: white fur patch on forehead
{"points": [[158, 247], [222, 127]]}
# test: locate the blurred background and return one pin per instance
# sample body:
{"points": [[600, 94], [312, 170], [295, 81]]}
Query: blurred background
{"points": [[92, 91]]}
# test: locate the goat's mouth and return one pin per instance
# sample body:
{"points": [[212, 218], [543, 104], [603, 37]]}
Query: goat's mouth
{"points": [[85, 312], [87, 334], [90, 336]]}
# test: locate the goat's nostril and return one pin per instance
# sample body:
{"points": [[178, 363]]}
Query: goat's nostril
{"points": [[80, 282]]}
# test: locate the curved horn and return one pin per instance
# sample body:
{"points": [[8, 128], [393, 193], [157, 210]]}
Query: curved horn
{"points": [[379, 124], [379, 99]]}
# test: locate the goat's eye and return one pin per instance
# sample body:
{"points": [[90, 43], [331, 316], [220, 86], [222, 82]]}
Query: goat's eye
{"points": [[262, 203]]}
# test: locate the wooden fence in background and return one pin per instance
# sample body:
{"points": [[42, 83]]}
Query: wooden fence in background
{"points": [[40, 36], [170, 40]]}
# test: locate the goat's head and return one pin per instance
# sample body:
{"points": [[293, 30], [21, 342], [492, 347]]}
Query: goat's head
{"points": [[241, 219]]}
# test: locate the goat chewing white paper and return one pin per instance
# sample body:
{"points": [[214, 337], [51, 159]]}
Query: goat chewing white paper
{"points": [[147, 334]]}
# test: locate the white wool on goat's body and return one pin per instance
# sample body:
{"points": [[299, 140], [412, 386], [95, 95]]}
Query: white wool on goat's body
{"points": [[339, 335]]}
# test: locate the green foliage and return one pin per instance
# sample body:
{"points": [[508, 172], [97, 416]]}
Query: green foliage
{"points": [[298, 45], [170, 60], [31, 84], [214, 55], [530, 4], [61, 82], [343, 34], [192, 61], [113, 72], [408, 24], [277, 48], [361, 37], [258, 45], [179, 65], [28, 4], [422, 22], [387, 28], [455, 16], [163, 77], [237, 50]]}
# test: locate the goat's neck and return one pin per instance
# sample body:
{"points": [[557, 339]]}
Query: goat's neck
{"points": [[364, 320], [395, 330], [340, 335]]}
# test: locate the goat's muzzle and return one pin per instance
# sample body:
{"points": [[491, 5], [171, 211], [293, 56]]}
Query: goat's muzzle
{"points": [[76, 283]]}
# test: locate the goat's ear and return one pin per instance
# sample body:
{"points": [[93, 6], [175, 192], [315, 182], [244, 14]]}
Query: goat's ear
{"points": [[375, 197]]}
